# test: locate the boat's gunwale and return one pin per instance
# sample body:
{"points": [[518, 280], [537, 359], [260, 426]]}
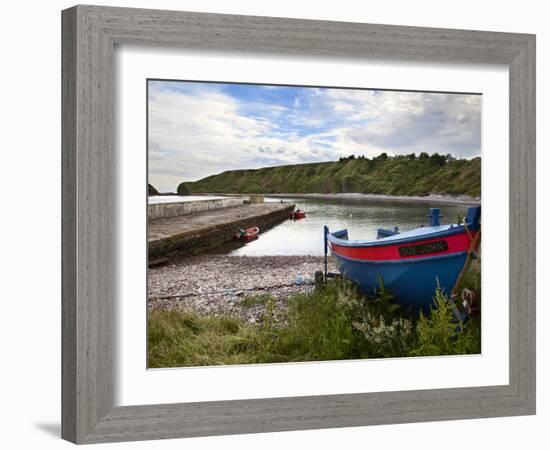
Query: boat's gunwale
{"points": [[456, 229]]}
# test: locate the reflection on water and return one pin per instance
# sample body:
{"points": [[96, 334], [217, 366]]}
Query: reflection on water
{"points": [[361, 218]]}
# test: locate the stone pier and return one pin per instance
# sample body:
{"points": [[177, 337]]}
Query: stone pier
{"points": [[198, 232]]}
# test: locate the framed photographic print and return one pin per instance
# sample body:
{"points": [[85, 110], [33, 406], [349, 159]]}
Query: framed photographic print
{"points": [[235, 248], [268, 222]]}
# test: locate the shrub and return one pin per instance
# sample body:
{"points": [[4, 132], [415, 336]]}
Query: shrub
{"points": [[183, 189], [441, 334]]}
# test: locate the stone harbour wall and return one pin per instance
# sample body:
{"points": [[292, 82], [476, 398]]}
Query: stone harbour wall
{"points": [[166, 210], [217, 232]]}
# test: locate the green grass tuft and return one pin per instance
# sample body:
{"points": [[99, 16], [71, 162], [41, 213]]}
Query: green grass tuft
{"points": [[439, 334], [255, 300]]}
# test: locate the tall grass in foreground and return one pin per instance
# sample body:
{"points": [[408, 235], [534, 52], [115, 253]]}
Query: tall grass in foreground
{"points": [[332, 323]]}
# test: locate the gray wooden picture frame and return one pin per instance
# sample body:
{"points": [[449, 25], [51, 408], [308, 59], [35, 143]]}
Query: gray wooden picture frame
{"points": [[90, 34]]}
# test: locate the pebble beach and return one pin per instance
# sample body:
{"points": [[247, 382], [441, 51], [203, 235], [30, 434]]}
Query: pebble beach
{"points": [[218, 284]]}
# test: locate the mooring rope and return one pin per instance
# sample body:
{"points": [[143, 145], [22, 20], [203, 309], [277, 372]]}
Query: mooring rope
{"points": [[474, 240]]}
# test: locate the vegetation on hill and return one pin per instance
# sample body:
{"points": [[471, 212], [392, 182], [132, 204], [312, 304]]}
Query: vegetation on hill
{"points": [[183, 189], [151, 190], [400, 175]]}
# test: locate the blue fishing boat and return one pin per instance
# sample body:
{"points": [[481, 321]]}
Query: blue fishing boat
{"points": [[411, 264]]}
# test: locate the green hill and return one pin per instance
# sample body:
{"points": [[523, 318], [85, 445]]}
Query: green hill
{"points": [[402, 175]]}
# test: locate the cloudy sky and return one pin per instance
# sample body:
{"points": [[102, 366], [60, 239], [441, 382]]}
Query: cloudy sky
{"points": [[199, 129]]}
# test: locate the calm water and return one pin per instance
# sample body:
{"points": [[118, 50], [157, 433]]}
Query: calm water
{"points": [[360, 217]]}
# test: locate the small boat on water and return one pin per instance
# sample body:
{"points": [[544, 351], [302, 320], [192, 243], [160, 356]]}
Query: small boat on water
{"points": [[411, 264], [297, 214], [248, 234]]}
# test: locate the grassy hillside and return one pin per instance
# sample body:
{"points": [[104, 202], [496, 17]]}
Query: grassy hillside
{"points": [[404, 175]]}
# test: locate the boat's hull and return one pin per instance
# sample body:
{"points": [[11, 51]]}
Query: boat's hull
{"points": [[249, 238], [247, 235], [297, 215], [412, 264], [412, 282]]}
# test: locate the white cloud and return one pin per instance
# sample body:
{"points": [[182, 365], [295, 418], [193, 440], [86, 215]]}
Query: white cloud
{"points": [[203, 130]]}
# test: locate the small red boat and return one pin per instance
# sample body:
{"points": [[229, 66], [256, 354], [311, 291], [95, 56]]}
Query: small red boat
{"points": [[247, 235], [298, 214]]}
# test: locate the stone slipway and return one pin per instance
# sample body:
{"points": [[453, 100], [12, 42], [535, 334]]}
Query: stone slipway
{"points": [[197, 233]]}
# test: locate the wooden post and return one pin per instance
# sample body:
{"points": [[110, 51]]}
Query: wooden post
{"points": [[326, 250]]}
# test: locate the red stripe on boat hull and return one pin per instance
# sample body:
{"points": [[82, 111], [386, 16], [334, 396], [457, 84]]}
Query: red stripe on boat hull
{"points": [[455, 243]]}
